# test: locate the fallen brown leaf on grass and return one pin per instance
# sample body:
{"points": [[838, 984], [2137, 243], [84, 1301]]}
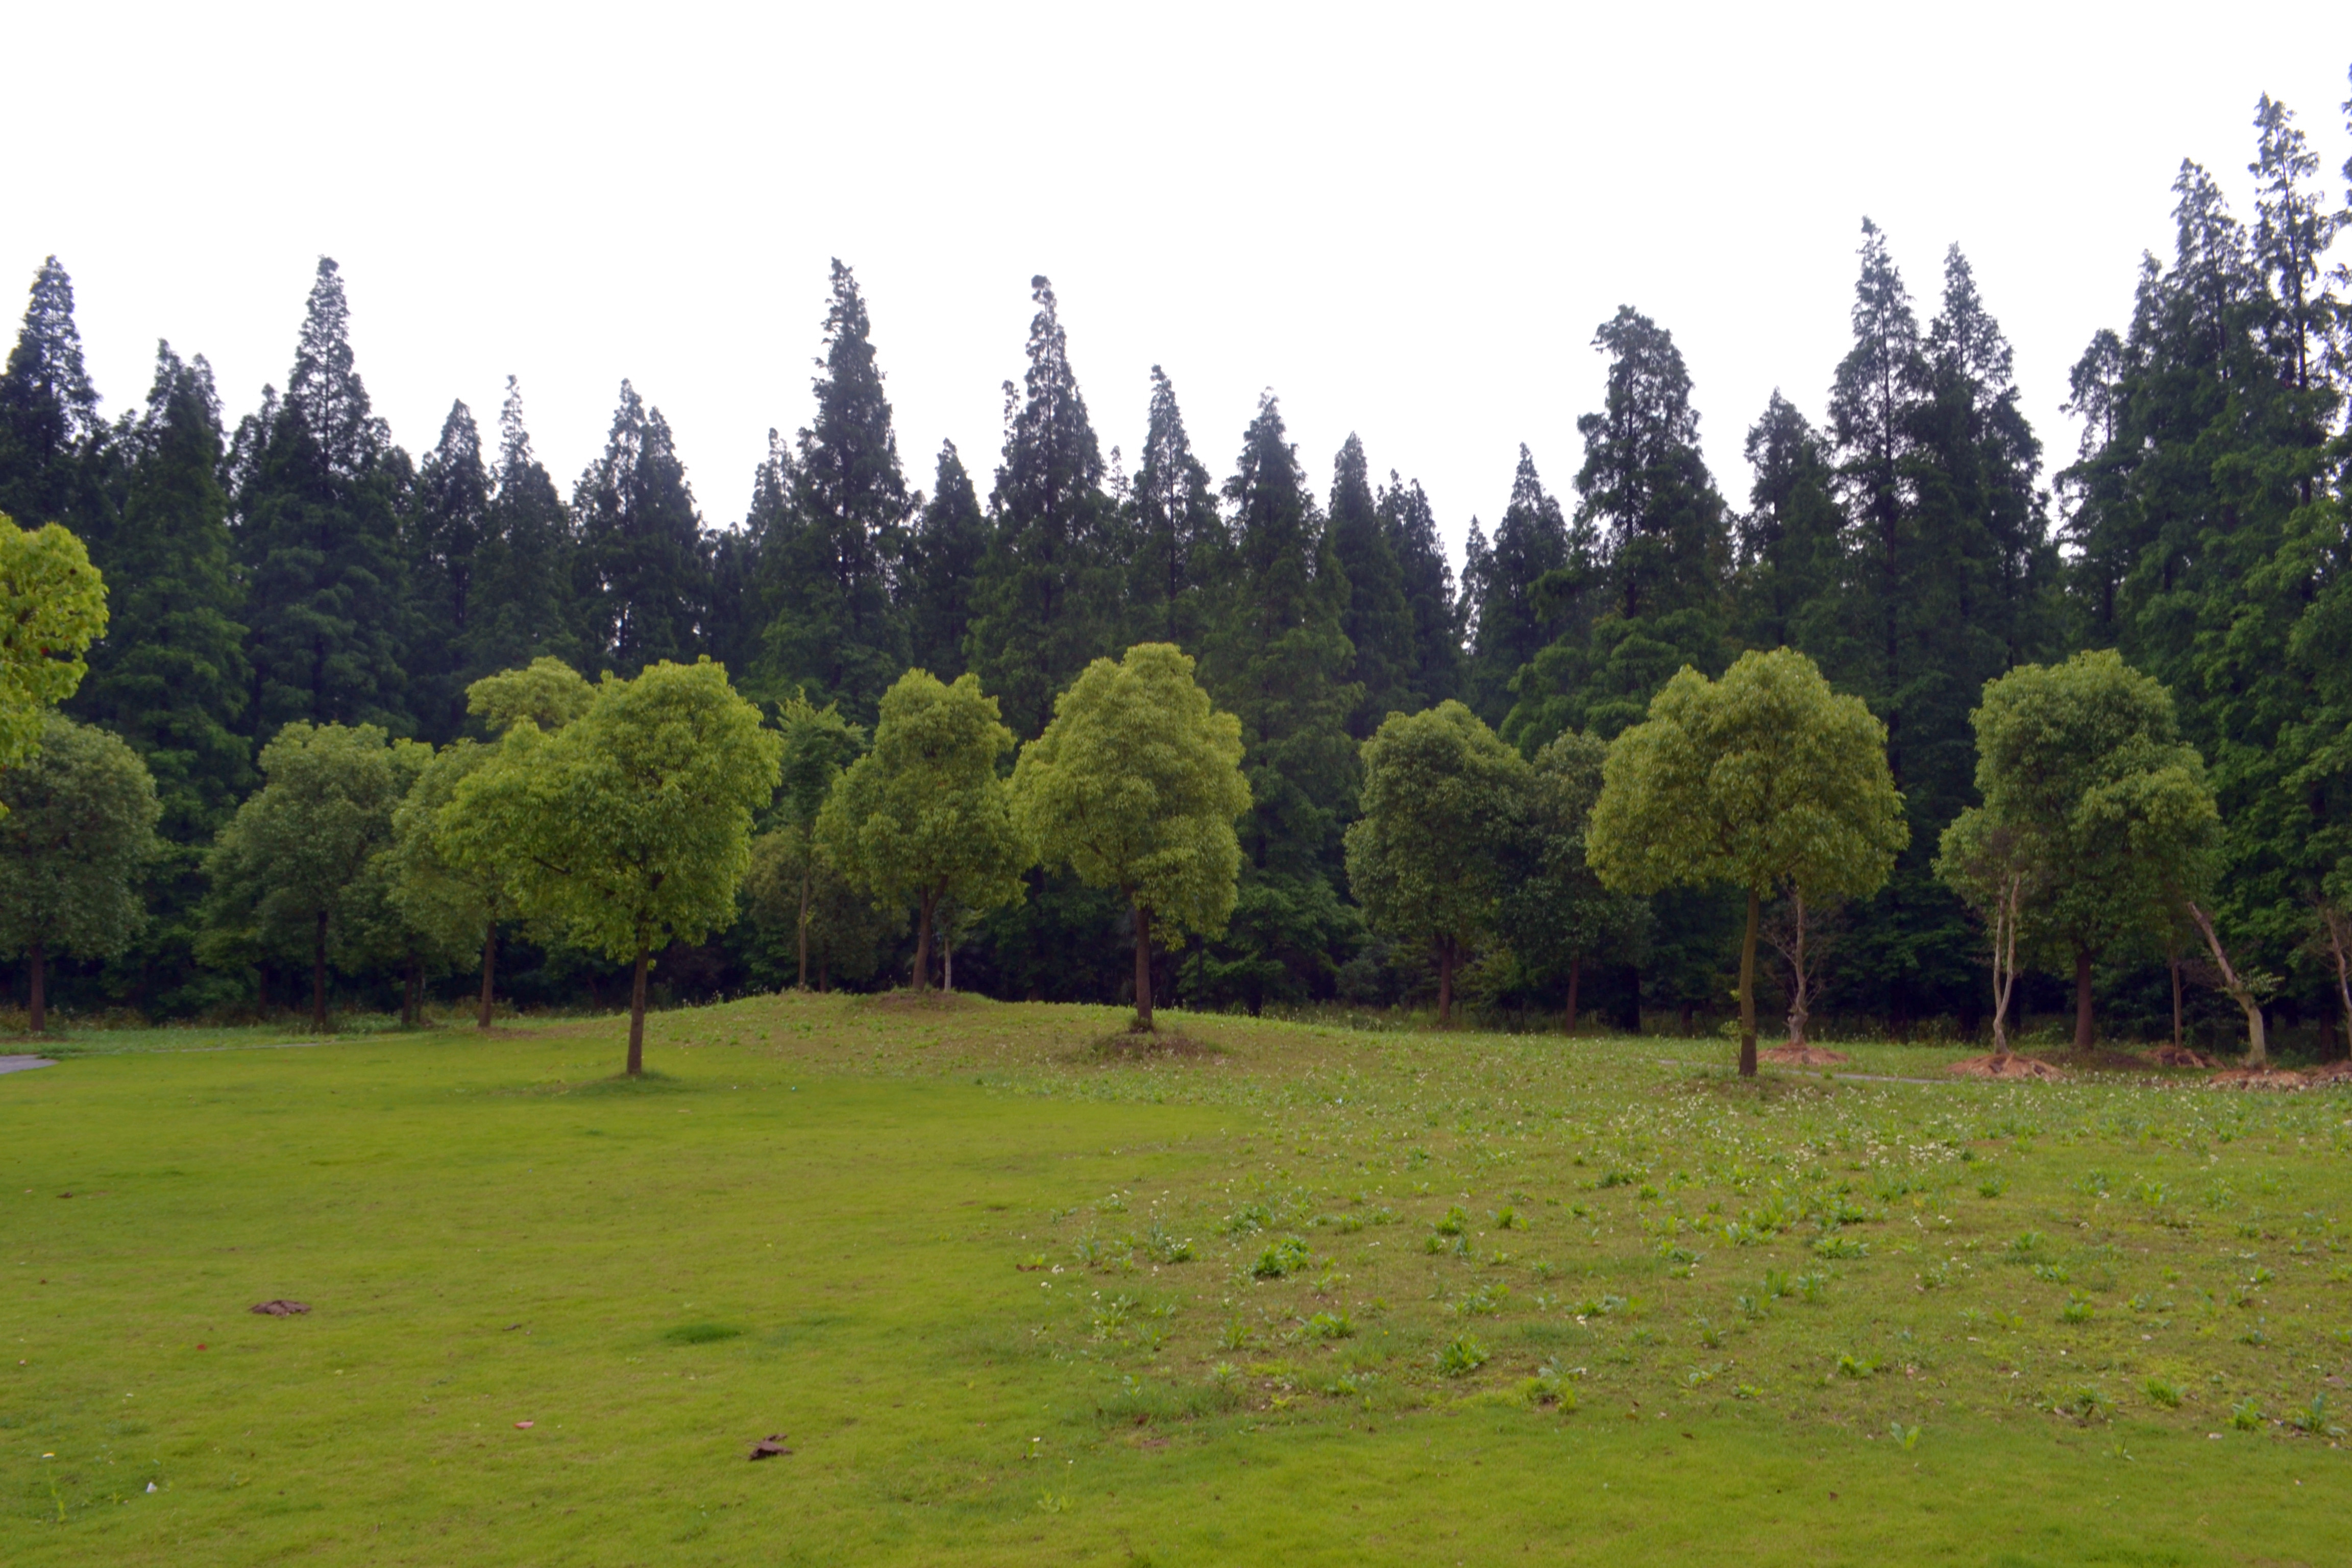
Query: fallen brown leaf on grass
{"points": [[279, 1309], [768, 1447]]}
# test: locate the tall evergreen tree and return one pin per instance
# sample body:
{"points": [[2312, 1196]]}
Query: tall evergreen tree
{"points": [[53, 446], [1043, 604], [837, 634], [316, 520], [172, 680], [520, 597], [646, 558], [1791, 542], [1179, 534], [942, 568], [1377, 619], [1427, 580], [447, 520], [1514, 622]]}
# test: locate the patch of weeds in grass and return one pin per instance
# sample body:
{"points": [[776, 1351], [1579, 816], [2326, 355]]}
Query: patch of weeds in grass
{"points": [[1248, 1218], [1709, 1334], [1856, 1367], [1329, 1326], [1453, 1222], [1548, 1388], [1485, 1302], [1908, 1437], [1813, 1286], [2077, 1308], [1508, 1218], [1992, 1186], [1776, 1284], [2246, 1415], [1287, 1256], [1235, 1335], [2313, 1421], [2028, 1246], [701, 1333], [1620, 1179], [2086, 1402], [2160, 1392], [1840, 1247], [2258, 1334], [1460, 1356]]}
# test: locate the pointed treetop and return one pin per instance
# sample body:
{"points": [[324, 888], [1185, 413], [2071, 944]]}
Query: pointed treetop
{"points": [[1051, 455], [514, 440], [324, 390], [46, 380]]}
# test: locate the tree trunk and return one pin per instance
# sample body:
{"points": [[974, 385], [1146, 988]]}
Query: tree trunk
{"points": [[1143, 969], [412, 1008], [2085, 1034], [38, 958], [2339, 942], [1444, 981], [1575, 975], [318, 975], [1748, 985], [2258, 1053], [806, 877], [636, 1068], [2004, 964], [2176, 1000], [1799, 1009], [489, 970], [923, 940]]}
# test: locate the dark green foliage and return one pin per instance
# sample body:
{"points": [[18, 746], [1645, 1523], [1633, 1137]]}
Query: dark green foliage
{"points": [[53, 446], [315, 501], [447, 520], [1045, 604], [825, 557], [1179, 537], [1377, 620], [1426, 579], [942, 568], [1517, 611], [172, 679], [1791, 549], [521, 604], [644, 553]]}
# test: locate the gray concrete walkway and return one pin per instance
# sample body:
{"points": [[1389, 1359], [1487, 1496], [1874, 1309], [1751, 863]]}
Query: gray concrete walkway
{"points": [[23, 1064]]}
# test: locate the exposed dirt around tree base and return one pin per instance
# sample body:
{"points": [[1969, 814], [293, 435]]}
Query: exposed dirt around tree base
{"points": [[1803, 1056], [2282, 1079], [2180, 1056], [2010, 1068], [1131, 1043]]}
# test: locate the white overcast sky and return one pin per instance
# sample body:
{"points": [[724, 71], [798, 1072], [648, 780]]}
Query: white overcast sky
{"points": [[1406, 221]]}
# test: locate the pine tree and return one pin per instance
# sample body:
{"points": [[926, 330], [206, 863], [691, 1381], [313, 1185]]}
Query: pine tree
{"points": [[942, 569], [1043, 601], [1179, 536], [447, 520], [520, 599], [836, 634], [646, 558], [1377, 619], [1435, 669], [1514, 623], [53, 446], [1790, 544], [316, 520], [172, 680]]}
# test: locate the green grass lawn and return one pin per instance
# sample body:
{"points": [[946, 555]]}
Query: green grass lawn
{"points": [[1311, 1296]]}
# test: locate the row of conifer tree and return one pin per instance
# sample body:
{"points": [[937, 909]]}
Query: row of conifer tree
{"points": [[1916, 543]]}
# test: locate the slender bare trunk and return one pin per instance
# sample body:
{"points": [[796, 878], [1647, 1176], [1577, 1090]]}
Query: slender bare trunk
{"points": [[947, 961], [1575, 975], [806, 877], [2339, 942], [489, 970], [1800, 1011], [2084, 1033], [39, 957], [1143, 969], [636, 1068], [2258, 1053], [1748, 985], [923, 940], [1444, 981], [2004, 961], [318, 973]]}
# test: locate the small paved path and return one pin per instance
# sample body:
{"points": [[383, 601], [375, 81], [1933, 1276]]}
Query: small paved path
{"points": [[23, 1063]]}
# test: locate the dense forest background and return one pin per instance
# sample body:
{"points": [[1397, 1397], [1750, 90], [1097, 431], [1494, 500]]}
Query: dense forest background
{"points": [[298, 565]]}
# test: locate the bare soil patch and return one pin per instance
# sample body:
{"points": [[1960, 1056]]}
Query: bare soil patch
{"points": [[280, 1308], [1134, 1045], [2282, 1079], [2010, 1068], [2180, 1056], [1803, 1056]]}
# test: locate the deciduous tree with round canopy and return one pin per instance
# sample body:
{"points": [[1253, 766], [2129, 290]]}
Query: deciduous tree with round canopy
{"points": [[1440, 790], [632, 825], [923, 817], [1135, 785], [52, 607], [1764, 779], [78, 829]]}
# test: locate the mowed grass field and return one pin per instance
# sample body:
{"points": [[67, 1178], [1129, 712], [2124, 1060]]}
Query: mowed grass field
{"points": [[1308, 1296]]}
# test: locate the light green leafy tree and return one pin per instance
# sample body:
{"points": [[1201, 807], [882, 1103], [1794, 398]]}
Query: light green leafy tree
{"points": [[2082, 768], [1135, 785], [52, 607], [294, 864], [1767, 780], [1553, 912], [631, 826], [818, 744], [80, 828], [1441, 791], [452, 873], [923, 817], [805, 917]]}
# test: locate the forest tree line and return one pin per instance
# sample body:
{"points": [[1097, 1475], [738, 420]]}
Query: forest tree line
{"points": [[298, 567]]}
